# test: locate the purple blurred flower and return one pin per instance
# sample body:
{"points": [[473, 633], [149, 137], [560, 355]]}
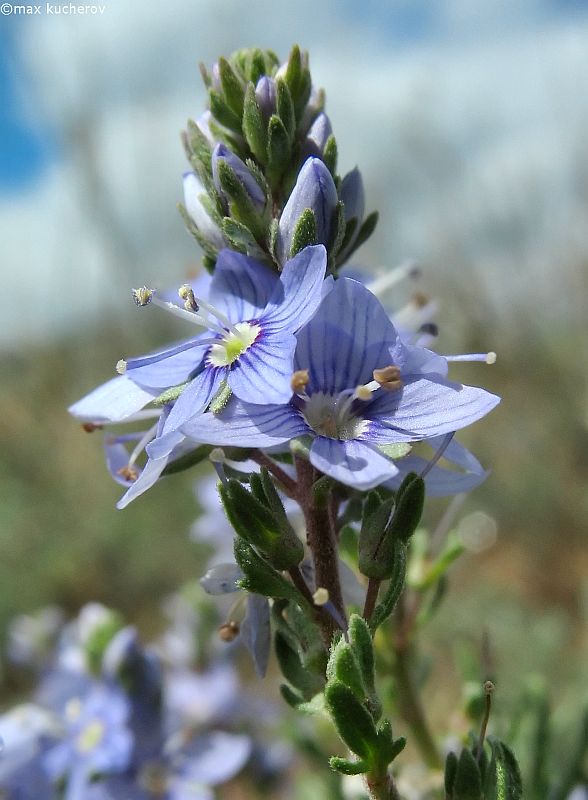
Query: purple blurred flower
{"points": [[316, 138], [97, 739]]}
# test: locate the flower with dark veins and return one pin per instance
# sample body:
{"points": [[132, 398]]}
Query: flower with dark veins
{"points": [[360, 392]]}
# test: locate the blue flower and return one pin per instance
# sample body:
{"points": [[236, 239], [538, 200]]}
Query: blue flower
{"points": [[256, 194], [359, 389], [252, 315], [97, 739]]}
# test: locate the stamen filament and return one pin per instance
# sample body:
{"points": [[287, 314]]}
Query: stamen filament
{"points": [[191, 316], [218, 314], [142, 444], [488, 358], [380, 286], [144, 361], [442, 448]]}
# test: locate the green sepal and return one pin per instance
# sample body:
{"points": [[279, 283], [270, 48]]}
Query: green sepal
{"points": [[285, 108], [256, 524], [241, 239], [272, 238], [254, 127], [394, 590], [316, 705], [297, 78], [467, 784], [294, 670], [274, 501], [302, 629], [278, 148], [188, 460], [366, 230], [232, 87], [330, 154], [395, 451], [338, 230], [350, 226], [221, 398], [292, 698], [208, 248], [200, 155], [232, 140], [346, 767], [223, 112], [503, 776], [257, 65], [353, 721], [376, 547], [410, 502], [169, 395], [300, 446], [452, 550], [240, 204], [305, 232], [261, 577]]}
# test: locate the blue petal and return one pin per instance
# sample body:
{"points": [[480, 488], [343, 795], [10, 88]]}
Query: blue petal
{"points": [[247, 425], [298, 295], [440, 482], [195, 398], [168, 367], [426, 408], [255, 631], [262, 374], [241, 286], [215, 758], [113, 401], [349, 336], [148, 477], [351, 462], [221, 579]]}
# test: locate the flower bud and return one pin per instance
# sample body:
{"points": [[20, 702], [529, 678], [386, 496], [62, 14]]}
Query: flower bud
{"points": [[222, 153], [314, 190], [316, 138], [353, 196], [265, 94], [193, 189]]}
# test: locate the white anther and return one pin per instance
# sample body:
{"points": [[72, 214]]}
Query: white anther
{"points": [[121, 366], [321, 596]]}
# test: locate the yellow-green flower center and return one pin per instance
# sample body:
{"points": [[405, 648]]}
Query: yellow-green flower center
{"points": [[91, 736], [232, 345]]}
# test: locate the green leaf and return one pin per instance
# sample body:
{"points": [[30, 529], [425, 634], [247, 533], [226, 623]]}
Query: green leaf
{"points": [[241, 239], [240, 204], [346, 669], [294, 670], [410, 502], [231, 86], [394, 590], [278, 148], [196, 456], [261, 577], [503, 780], [256, 524], [360, 639], [374, 556], [468, 782], [254, 127], [346, 767], [223, 112], [353, 721], [330, 155], [305, 232], [292, 698], [285, 108], [450, 773]]}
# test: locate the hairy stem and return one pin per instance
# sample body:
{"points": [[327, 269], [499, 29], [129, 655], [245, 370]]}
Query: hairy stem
{"points": [[370, 598], [321, 542], [289, 484], [381, 787]]}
